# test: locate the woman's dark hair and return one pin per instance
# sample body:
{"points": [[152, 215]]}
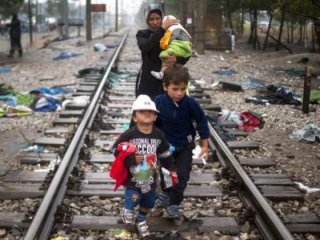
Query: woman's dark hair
{"points": [[176, 74]]}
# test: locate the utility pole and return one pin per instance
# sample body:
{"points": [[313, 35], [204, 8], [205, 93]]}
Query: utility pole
{"points": [[181, 11], [190, 19], [66, 18], [162, 4], [30, 21], [88, 21], [200, 36], [117, 17], [306, 89]]}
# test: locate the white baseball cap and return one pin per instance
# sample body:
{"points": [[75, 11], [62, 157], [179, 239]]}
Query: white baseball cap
{"points": [[144, 102]]}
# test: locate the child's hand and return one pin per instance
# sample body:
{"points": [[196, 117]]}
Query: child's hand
{"points": [[204, 152], [139, 158], [204, 149]]}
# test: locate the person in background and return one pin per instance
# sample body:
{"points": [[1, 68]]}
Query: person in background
{"points": [[148, 41], [176, 41], [15, 36], [140, 167], [178, 113]]}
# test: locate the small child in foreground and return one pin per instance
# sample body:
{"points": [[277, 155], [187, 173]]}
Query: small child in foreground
{"points": [[141, 147]]}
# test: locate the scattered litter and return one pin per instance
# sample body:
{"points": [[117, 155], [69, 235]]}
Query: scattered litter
{"points": [[52, 91], [234, 86], [65, 55], [34, 148], [254, 83], [227, 115], [10, 100], [306, 189], [276, 95], [309, 133], [214, 84], [5, 69], [75, 100], [221, 58], [46, 103], [85, 71], [100, 47], [250, 121], [227, 73], [122, 234], [48, 78], [17, 111]]}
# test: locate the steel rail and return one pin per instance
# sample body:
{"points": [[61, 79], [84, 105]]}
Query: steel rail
{"points": [[267, 220], [43, 221]]}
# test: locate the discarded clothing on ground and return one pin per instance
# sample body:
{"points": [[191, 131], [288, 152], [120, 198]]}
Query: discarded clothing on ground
{"points": [[247, 121], [225, 72], [53, 90], [309, 133], [5, 89], [276, 95], [227, 115], [250, 121], [100, 47], [65, 55], [46, 103], [225, 135], [5, 69], [254, 83], [85, 71], [75, 100], [16, 111]]}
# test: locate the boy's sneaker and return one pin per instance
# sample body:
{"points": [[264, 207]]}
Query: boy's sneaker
{"points": [[173, 211], [162, 201], [127, 216], [143, 229]]}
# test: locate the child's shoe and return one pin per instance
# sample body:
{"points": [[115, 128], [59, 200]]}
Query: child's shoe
{"points": [[173, 211], [143, 229], [162, 201], [127, 216], [157, 75]]}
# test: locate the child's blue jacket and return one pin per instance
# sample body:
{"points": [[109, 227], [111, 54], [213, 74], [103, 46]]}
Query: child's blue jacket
{"points": [[176, 119]]}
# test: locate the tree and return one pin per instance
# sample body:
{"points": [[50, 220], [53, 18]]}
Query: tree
{"points": [[54, 7], [8, 7]]}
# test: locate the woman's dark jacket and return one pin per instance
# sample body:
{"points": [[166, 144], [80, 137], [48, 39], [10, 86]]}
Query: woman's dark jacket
{"points": [[149, 45]]}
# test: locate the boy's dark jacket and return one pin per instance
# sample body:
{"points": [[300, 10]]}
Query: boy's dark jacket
{"points": [[176, 119], [125, 157]]}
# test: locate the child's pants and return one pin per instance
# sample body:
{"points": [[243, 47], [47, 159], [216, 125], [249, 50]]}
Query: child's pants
{"points": [[133, 197], [183, 164]]}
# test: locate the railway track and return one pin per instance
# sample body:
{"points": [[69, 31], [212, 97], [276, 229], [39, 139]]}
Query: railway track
{"points": [[224, 197]]}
